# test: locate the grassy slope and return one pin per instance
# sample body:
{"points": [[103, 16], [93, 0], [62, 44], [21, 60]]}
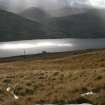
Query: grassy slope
{"points": [[59, 78]]}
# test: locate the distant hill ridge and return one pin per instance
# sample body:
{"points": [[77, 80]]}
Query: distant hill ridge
{"points": [[85, 25]]}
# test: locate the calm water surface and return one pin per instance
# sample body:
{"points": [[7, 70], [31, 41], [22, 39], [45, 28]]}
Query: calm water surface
{"points": [[15, 48]]}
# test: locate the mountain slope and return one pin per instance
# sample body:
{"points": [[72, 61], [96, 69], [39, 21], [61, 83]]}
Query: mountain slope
{"points": [[85, 25], [14, 27]]}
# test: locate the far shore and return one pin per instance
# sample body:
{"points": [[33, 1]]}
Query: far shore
{"points": [[48, 55]]}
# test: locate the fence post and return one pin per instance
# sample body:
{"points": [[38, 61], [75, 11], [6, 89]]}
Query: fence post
{"points": [[24, 53]]}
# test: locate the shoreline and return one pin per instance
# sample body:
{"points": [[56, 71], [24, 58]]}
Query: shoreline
{"points": [[48, 55]]}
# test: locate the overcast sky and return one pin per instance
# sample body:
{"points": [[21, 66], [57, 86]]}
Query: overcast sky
{"points": [[18, 5]]}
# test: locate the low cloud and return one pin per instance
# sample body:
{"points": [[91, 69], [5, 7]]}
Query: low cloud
{"points": [[20, 5]]}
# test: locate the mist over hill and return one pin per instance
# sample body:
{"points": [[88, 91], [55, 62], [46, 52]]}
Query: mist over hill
{"points": [[35, 14], [89, 24], [72, 23]]}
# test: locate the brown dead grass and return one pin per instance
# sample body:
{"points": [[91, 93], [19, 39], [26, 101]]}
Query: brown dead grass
{"points": [[58, 80]]}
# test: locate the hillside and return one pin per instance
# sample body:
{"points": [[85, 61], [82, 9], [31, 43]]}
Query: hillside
{"points": [[14, 27], [54, 78], [85, 25], [71, 23], [90, 24]]}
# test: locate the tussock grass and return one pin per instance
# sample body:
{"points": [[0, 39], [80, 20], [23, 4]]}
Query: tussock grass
{"points": [[54, 79]]}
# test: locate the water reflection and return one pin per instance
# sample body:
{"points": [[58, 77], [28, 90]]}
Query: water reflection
{"points": [[19, 45]]}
